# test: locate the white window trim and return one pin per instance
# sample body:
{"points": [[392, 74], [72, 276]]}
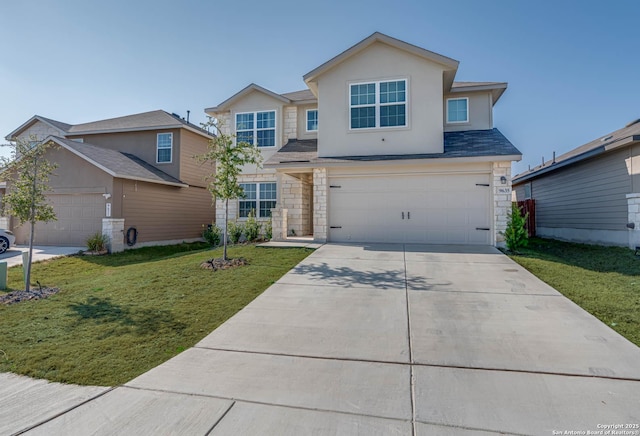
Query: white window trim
{"points": [[377, 104], [158, 148], [447, 110], [255, 126], [528, 197], [257, 200], [306, 121]]}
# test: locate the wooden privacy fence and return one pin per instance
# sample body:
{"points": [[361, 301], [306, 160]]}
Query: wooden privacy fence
{"points": [[529, 207]]}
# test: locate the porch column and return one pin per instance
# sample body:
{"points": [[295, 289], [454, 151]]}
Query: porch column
{"points": [[501, 200], [320, 194], [633, 208]]}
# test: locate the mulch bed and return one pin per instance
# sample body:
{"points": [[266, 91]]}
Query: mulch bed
{"points": [[33, 294], [217, 264]]}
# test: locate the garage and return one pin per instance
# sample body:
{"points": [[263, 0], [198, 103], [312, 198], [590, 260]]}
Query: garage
{"points": [[421, 208], [78, 217]]}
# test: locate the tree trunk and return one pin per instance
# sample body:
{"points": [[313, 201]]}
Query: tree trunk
{"points": [[226, 228], [32, 220]]}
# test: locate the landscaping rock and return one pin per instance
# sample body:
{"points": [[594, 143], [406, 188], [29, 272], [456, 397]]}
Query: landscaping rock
{"points": [[216, 264], [33, 294]]}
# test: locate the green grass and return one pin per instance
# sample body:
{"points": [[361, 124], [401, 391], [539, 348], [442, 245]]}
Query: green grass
{"points": [[605, 281], [118, 316]]}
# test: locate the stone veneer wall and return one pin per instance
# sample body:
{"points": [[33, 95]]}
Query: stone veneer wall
{"points": [[290, 130], [501, 200], [113, 229], [320, 193], [633, 209], [295, 198]]}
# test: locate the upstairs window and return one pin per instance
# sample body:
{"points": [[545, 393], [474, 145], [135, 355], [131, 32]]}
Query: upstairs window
{"points": [[256, 128], [458, 110], [378, 104], [312, 120], [164, 148]]}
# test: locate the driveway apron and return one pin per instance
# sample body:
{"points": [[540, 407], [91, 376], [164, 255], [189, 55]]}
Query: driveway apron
{"points": [[387, 339]]}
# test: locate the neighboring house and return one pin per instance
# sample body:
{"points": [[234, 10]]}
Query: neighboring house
{"points": [[384, 146], [133, 171], [590, 194]]}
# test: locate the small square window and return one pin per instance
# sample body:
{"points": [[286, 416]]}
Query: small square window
{"points": [[458, 110]]}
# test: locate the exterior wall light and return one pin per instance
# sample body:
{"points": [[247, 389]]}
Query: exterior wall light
{"points": [[503, 180]]}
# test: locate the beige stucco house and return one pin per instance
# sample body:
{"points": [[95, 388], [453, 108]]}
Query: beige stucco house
{"points": [[383, 146], [113, 175], [590, 194]]}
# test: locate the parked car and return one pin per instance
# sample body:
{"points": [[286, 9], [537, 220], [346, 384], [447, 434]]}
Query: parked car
{"points": [[6, 240]]}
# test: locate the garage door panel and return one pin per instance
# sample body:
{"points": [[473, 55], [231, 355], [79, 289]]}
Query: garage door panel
{"points": [[444, 209]]}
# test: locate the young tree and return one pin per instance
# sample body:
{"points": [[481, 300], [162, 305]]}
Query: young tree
{"points": [[229, 156], [516, 235], [28, 171]]}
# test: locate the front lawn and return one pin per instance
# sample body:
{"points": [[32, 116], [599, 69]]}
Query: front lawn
{"points": [[118, 316], [605, 281]]}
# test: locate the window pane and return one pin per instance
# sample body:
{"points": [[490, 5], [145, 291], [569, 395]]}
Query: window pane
{"points": [[164, 140], [394, 115], [267, 191], [244, 121], [266, 120], [265, 208], [266, 138], [392, 92], [312, 120], [164, 155], [363, 94], [246, 207], [245, 137], [363, 117], [249, 190]]}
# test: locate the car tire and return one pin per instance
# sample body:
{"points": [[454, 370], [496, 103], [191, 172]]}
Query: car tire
{"points": [[4, 244]]}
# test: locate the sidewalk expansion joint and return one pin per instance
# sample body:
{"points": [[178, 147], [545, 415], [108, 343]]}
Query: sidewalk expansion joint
{"points": [[59, 414], [264, 403]]}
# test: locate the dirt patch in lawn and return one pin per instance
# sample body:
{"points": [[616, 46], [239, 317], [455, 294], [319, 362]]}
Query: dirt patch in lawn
{"points": [[219, 263], [32, 294]]}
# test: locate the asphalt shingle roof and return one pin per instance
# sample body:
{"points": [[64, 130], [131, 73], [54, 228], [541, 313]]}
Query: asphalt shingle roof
{"points": [[596, 146], [148, 120], [472, 143], [123, 165], [305, 94]]}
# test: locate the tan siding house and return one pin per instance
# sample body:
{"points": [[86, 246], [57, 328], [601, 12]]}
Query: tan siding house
{"points": [[590, 194], [133, 175]]}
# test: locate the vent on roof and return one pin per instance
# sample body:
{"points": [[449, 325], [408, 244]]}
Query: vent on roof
{"points": [[606, 138], [633, 122]]}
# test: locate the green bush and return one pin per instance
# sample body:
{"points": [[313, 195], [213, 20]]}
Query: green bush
{"points": [[97, 242], [213, 235], [252, 227], [235, 231], [516, 235], [268, 229]]}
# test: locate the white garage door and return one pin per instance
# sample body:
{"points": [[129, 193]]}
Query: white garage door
{"points": [[79, 216], [432, 209]]}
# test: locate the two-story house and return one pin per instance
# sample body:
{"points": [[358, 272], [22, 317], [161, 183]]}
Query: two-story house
{"points": [[133, 172], [383, 146]]}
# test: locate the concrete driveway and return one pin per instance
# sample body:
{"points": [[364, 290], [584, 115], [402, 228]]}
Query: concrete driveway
{"points": [[386, 339], [13, 256]]}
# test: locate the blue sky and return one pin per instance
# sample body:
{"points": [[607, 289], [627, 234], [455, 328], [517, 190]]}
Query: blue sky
{"points": [[572, 66]]}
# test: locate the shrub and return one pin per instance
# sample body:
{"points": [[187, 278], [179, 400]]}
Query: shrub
{"points": [[268, 229], [235, 231], [516, 235], [213, 235], [97, 242], [251, 227]]}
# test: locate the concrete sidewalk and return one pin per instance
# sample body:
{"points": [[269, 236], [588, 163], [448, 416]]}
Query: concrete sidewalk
{"points": [[386, 339]]}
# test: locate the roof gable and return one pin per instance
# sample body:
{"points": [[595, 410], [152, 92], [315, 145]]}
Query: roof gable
{"points": [[225, 105], [449, 65], [58, 125]]}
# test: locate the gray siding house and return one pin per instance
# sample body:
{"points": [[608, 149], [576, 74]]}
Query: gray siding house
{"points": [[590, 194]]}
